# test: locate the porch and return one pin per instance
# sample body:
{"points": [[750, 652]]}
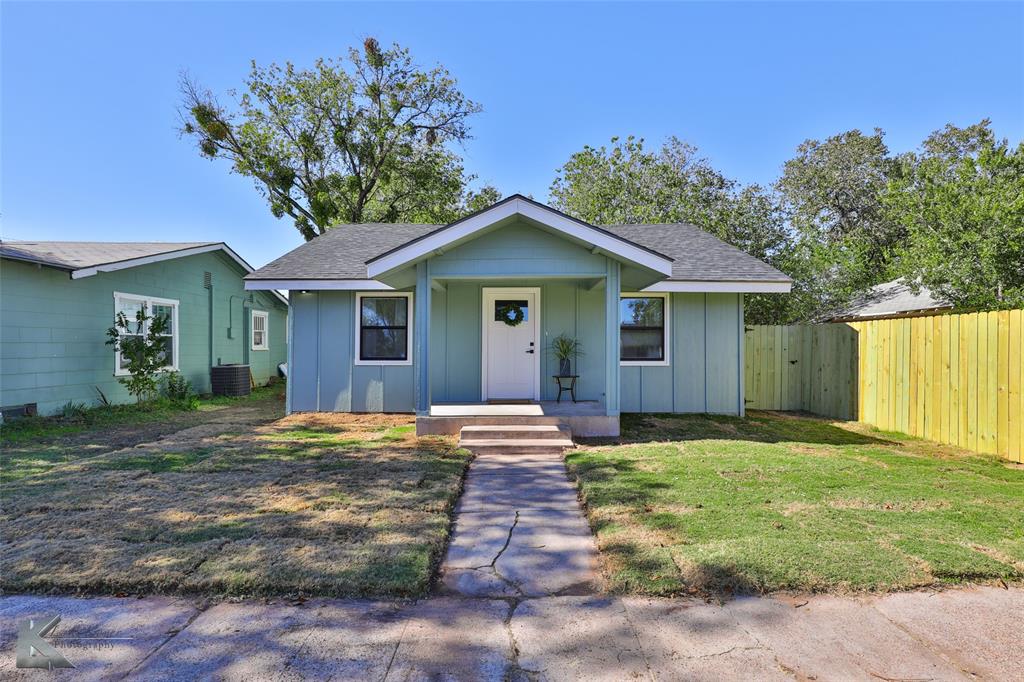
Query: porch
{"points": [[584, 418]]}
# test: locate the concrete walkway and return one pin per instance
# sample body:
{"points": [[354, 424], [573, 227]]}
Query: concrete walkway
{"points": [[954, 635], [519, 532]]}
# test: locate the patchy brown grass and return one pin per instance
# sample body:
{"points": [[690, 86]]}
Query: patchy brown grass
{"points": [[336, 505]]}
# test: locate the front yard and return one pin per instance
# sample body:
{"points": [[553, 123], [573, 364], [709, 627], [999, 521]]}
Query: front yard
{"points": [[337, 505], [718, 505]]}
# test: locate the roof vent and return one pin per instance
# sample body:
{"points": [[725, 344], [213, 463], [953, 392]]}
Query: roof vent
{"points": [[207, 280]]}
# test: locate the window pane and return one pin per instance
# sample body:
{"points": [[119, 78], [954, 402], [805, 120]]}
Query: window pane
{"points": [[503, 310], [167, 344], [642, 344], [257, 338], [125, 355], [383, 344], [642, 312], [385, 311], [130, 309], [165, 311]]}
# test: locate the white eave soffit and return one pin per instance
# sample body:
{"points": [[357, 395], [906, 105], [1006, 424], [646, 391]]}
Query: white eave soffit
{"points": [[598, 239]]}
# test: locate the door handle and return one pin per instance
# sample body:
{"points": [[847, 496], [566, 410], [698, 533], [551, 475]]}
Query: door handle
{"points": [[530, 351]]}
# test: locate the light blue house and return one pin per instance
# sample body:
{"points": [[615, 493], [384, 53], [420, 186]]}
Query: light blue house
{"points": [[57, 299], [456, 321]]}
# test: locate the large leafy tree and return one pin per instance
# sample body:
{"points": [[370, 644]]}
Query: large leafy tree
{"points": [[960, 199], [367, 138], [628, 183], [832, 192]]}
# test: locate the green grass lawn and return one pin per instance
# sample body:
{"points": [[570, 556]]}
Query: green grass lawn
{"points": [[719, 505], [328, 505]]}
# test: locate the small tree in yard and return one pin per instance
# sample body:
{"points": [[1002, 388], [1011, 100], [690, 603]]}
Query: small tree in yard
{"points": [[141, 343]]}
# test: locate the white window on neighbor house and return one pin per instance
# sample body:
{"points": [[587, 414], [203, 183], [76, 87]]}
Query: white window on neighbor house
{"points": [[384, 329], [644, 331], [260, 330], [130, 305]]}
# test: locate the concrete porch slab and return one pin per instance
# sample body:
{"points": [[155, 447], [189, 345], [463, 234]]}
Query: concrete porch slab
{"points": [[583, 418]]}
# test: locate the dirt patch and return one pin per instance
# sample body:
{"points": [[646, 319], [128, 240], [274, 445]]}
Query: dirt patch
{"points": [[897, 506], [794, 508]]}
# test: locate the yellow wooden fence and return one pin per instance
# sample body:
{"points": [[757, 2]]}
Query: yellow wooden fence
{"points": [[955, 379]]}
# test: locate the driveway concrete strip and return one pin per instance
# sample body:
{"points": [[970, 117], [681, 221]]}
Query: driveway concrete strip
{"points": [[519, 532], [959, 634]]}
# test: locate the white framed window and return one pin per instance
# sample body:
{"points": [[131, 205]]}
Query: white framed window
{"points": [[644, 329], [130, 305], [383, 328], [260, 330]]}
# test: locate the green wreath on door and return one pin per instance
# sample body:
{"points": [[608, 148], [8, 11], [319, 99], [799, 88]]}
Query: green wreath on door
{"points": [[513, 314]]}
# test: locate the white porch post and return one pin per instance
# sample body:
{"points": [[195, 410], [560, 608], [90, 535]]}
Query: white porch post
{"points": [[612, 291], [421, 342]]}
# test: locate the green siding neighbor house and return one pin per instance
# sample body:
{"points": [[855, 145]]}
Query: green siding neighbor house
{"points": [[457, 321], [57, 299]]}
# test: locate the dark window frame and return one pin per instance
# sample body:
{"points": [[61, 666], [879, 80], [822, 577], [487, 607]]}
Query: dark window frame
{"points": [[641, 328], [371, 327]]}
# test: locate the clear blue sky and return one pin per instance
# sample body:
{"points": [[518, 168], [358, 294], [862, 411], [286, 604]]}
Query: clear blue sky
{"points": [[90, 149]]}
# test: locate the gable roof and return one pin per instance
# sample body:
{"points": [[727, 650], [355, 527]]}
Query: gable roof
{"points": [[85, 259], [891, 299], [341, 258], [518, 205]]}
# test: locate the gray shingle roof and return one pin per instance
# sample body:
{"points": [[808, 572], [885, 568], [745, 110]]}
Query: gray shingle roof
{"points": [[891, 298], [75, 255], [699, 255], [342, 252]]}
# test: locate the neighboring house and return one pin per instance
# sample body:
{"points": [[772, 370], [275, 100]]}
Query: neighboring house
{"points": [[418, 318], [892, 299], [57, 300]]}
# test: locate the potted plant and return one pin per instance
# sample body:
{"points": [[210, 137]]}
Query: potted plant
{"points": [[564, 347]]}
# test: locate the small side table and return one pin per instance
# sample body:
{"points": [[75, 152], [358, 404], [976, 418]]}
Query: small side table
{"points": [[562, 388]]}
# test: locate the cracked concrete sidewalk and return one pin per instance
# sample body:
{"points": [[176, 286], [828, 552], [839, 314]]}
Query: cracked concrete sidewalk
{"points": [[952, 635], [519, 532]]}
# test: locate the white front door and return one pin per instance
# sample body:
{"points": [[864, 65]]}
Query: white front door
{"points": [[511, 344]]}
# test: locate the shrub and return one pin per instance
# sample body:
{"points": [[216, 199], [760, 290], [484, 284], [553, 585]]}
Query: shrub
{"points": [[179, 390], [74, 411], [141, 342]]}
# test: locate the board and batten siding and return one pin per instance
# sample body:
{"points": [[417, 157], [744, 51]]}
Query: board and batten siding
{"points": [[53, 328], [323, 375], [704, 374], [705, 371], [326, 378]]}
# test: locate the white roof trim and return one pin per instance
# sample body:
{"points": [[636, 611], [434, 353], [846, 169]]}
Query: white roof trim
{"points": [[317, 284], [737, 287], [608, 243], [169, 255]]}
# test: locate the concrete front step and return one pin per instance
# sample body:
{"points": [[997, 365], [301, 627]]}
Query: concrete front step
{"points": [[519, 439], [494, 446], [516, 432]]}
